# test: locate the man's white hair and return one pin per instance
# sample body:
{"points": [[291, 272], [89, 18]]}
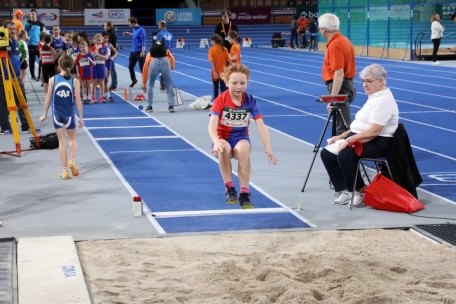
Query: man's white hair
{"points": [[330, 22]]}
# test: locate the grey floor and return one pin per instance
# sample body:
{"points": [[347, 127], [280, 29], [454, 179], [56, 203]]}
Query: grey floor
{"points": [[35, 202]]}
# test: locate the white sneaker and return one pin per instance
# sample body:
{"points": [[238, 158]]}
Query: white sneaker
{"points": [[358, 199], [436, 63], [343, 199]]}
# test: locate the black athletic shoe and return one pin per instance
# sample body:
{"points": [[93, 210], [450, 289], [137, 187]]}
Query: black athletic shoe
{"points": [[149, 109], [244, 200], [133, 83], [170, 109], [231, 196]]}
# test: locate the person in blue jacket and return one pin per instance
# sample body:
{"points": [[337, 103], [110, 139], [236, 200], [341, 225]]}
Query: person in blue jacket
{"points": [[15, 58], [138, 51], [33, 27]]}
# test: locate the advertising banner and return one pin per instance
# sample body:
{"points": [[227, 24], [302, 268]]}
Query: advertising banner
{"points": [[307, 11], [250, 15], [174, 16], [48, 16], [100, 16]]}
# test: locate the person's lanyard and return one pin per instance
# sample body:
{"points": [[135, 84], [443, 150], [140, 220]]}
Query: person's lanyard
{"points": [[223, 28]]}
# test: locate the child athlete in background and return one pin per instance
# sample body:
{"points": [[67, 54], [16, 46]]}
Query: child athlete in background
{"points": [[60, 96]]}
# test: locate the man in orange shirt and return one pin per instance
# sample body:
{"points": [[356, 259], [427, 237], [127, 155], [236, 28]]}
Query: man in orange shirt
{"points": [[339, 67], [18, 16]]}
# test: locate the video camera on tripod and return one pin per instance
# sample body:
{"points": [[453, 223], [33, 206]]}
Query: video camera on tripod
{"points": [[4, 37]]}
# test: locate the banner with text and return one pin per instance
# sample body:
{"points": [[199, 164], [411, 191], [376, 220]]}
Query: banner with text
{"points": [[49, 17], [174, 16], [307, 11], [100, 16], [250, 15]]}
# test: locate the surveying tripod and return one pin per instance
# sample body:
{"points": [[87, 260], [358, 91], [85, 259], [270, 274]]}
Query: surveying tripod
{"points": [[10, 84]]}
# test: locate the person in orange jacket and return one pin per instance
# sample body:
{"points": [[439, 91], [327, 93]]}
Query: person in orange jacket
{"points": [[158, 60], [302, 25]]}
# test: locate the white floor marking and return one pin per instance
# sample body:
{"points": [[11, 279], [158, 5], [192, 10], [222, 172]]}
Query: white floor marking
{"points": [[123, 127], [152, 151], [116, 118], [134, 137], [217, 212]]}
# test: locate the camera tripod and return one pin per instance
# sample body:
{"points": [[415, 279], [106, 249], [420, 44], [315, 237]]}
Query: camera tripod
{"points": [[335, 113], [10, 84]]}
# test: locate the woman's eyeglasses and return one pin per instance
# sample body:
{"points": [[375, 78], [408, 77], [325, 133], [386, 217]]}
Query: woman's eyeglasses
{"points": [[368, 81]]}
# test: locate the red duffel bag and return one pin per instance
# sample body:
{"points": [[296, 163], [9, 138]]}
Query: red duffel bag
{"points": [[384, 194]]}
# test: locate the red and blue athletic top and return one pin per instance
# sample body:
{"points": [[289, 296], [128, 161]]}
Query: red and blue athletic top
{"points": [[85, 68], [103, 50], [233, 120]]}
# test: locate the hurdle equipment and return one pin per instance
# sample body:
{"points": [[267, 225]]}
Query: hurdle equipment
{"points": [[204, 43], [247, 42], [180, 43], [186, 47]]}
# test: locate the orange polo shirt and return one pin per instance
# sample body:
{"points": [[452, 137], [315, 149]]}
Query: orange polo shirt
{"points": [[219, 55], [302, 24], [340, 54], [235, 49], [19, 25]]}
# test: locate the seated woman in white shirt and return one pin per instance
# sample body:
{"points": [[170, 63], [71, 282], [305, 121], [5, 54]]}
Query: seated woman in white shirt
{"points": [[374, 126]]}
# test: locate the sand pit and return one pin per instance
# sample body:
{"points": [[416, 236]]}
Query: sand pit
{"points": [[369, 266]]}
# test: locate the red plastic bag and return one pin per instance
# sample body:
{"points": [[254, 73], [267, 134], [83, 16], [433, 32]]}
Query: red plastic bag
{"points": [[384, 194]]}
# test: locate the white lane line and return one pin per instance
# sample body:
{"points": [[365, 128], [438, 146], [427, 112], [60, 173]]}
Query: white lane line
{"points": [[436, 153], [235, 173], [135, 137], [453, 184], [133, 193], [116, 118], [217, 212], [148, 151], [287, 115], [123, 127], [317, 84]]}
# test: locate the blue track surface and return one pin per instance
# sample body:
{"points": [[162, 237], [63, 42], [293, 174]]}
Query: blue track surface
{"points": [[286, 84], [173, 176]]}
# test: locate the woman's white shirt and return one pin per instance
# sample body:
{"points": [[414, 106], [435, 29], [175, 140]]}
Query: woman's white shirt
{"points": [[381, 109], [437, 30]]}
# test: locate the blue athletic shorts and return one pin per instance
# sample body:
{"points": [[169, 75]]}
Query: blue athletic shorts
{"points": [[233, 142], [99, 72], [109, 64], [67, 122]]}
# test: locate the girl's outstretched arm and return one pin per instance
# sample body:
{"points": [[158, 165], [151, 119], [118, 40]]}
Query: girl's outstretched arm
{"points": [[264, 135]]}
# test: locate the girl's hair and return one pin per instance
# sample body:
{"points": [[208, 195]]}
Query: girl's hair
{"points": [[66, 64], [83, 43], [75, 37], [97, 36], [110, 25], [218, 40], [433, 18], [104, 34], [42, 35], [55, 27], [234, 35], [70, 32], [47, 39], [21, 33], [235, 68]]}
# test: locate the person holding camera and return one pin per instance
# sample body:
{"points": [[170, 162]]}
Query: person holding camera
{"points": [[370, 136], [339, 67], [15, 58]]}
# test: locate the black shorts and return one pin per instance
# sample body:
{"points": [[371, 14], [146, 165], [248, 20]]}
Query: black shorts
{"points": [[24, 64], [48, 70]]}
